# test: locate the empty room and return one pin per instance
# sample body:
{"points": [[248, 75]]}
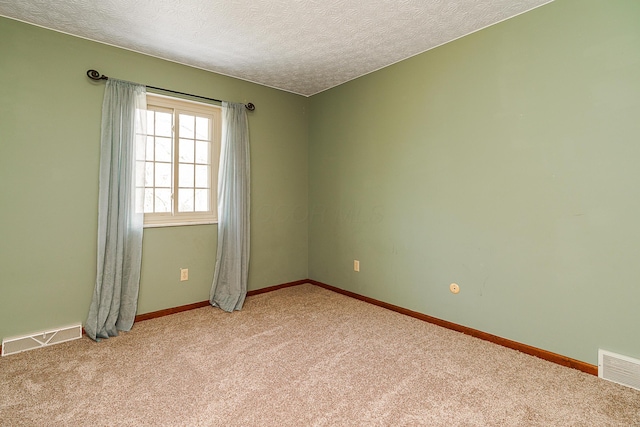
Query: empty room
{"points": [[335, 213]]}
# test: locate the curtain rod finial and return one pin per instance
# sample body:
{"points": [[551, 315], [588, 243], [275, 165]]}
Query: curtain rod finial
{"points": [[95, 75], [250, 106]]}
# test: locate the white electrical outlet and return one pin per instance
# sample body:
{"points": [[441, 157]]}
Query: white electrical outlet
{"points": [[356, 265], [184, 274]]}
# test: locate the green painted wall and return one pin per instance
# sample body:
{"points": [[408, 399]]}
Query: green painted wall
{"points": [[49, 159], [505, 161]]}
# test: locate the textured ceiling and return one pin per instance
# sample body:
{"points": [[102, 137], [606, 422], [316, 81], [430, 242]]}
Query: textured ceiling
{"points": [[301, 46]]}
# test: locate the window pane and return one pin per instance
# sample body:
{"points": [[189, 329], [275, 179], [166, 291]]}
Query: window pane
{"points": [[202, 152], [140, 174], [186, 150], [150, 148], [185, 200], [163, 124], [185, 175], [148, 174], [163, 200], [202, 200], [163, 149], [150, 116], [202, 128], [140, 199], [148, 200], [186, 125], [140, 146], [163, 175], [202, 176]]}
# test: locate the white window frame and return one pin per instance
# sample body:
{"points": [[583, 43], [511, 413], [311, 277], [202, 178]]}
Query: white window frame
{"points": [[177, 106]]}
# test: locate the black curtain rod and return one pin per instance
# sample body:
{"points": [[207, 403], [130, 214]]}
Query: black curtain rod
{"points": [[94, 75]]}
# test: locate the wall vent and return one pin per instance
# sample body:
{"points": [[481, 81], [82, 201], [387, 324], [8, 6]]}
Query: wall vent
{"points": [[40, 339], [619, 369]]}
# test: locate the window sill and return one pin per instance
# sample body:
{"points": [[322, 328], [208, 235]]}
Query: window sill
{"points": [[179, 224]]}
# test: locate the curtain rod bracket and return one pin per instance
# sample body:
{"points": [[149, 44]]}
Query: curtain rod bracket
{"points": [[96, 76]]}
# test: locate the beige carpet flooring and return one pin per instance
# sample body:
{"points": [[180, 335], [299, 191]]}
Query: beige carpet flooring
{"points": [[300, 356]]}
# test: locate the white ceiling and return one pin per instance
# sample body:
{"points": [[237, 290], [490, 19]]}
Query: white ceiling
{"points": [[301, 46]]}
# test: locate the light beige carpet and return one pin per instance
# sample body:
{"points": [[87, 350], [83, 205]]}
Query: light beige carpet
{"points": [[301, 356]]}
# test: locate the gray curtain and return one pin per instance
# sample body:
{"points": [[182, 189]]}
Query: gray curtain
{"points": [[229, 287], [120, 218]]}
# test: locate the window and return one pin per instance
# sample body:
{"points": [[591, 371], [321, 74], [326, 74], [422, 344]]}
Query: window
{"points": [[177, 164]]}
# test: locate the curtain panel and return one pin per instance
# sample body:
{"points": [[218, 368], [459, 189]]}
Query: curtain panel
{"points": [[229, 287], [120, 214]]}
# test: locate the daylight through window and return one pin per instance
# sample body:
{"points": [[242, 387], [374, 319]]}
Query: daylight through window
{"points": [[177, 162]]}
